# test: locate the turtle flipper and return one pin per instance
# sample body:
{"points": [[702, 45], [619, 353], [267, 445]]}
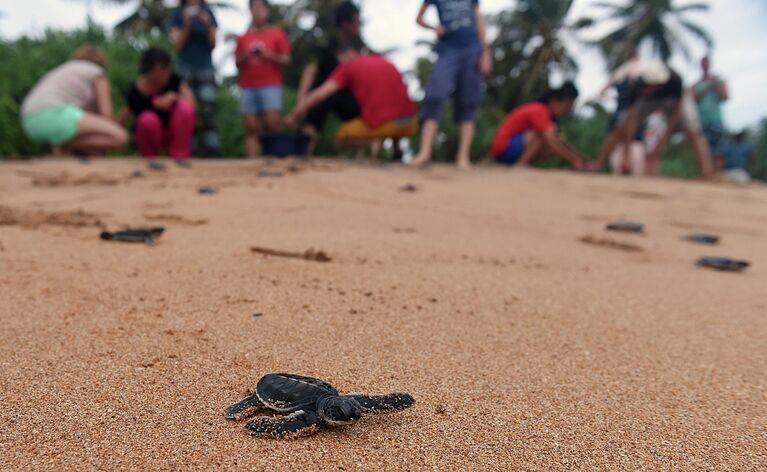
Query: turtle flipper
{"points": [[243, 408], [383, 403], [295, 425]]}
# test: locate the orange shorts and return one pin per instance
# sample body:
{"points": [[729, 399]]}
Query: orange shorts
{"points": [[357, 130]]}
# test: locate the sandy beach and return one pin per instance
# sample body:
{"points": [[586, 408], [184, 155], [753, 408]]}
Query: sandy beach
{"points": [[531, 338]]}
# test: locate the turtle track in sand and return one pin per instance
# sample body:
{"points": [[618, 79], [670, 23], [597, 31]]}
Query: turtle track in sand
{"points": [[177, 219], [36, 218], [64, 179], [610, 244]]}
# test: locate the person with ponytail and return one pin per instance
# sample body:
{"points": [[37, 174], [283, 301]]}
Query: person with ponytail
{"points": [[530, 130], [70, 108]]}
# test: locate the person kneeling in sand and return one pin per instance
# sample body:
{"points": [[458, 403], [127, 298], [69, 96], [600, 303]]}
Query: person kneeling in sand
{"points": [[530, 131], [164, 108], [71, 107], [386, 109]]}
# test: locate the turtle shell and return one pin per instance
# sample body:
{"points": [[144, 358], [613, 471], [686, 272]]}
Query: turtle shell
{"points": [[134, 235], [287, 393]]}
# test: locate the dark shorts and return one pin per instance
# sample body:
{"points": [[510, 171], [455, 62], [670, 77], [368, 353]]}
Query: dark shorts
{"points": [[513, 151], [456, 73], [715, 136], [341, 103]]}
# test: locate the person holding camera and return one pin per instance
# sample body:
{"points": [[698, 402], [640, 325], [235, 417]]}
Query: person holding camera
{"points": [[261, 54], [193, 29], [710, 94]]}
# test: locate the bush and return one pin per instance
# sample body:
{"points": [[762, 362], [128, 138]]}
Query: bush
{"points": [[758, 165]]}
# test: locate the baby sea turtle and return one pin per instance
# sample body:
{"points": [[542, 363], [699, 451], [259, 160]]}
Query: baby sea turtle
{"points": [[723, 263], [702, 238], [147, 235], [626, 227], [308, 404], [270, 173], [157, 165], [207, 190]]}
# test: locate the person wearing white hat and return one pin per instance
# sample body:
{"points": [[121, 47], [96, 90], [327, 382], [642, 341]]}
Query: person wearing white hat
{"points": [[659, 88]]}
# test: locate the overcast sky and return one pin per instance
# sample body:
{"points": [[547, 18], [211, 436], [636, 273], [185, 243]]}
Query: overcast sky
{"points": [[738, 27]]}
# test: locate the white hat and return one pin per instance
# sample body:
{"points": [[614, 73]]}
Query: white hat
{"points": [[654, 73]]}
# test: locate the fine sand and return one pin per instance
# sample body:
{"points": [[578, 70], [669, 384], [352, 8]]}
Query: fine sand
{"points": [[531, 338]]}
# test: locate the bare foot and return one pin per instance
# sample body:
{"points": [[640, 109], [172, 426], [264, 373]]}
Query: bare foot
{"points": [[463, 164], [420, 161]]}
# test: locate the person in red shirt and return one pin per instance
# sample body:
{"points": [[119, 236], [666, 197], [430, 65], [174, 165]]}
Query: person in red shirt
{"points": [[261, 54], [385, 107], [530, 131]]}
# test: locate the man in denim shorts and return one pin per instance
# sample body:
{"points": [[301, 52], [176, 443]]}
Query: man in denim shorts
{"points": [[464, 58]]}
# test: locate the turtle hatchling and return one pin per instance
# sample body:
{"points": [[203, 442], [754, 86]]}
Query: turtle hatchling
{"points": [[702, 238], [143, 235], [307, 404], [723, 263], [626, 227]]}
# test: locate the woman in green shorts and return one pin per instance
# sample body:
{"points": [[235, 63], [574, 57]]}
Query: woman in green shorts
{"points": [[71, 107]]}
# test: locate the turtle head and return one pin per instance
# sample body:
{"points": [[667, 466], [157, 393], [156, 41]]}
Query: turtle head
{"points": [[336, 410]]}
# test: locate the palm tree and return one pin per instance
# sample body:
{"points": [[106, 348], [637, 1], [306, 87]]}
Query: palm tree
{"points": [[532, 43], [150, 15], [661, 23]]}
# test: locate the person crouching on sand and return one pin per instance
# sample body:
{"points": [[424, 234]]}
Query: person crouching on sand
{"points": [[71, 107], [530, 130], [164, 108], [386, 109]]}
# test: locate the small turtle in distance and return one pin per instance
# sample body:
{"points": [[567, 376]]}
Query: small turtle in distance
{"points": [[207, 190], [270, 173], [626, 227], [723, 263], [157, 166], [309, 404], [148, 236], [702, 238]]}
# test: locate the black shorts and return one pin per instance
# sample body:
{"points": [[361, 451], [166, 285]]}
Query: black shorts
{"points": [[342, 103]]}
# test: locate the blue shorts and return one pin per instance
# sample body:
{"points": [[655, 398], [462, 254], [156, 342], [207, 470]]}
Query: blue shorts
{"points": [[456, 73], [260, 99], [513, 151], [715, 136]]}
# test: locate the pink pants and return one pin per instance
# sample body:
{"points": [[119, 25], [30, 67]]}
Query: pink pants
{"points": [[152, 136]]}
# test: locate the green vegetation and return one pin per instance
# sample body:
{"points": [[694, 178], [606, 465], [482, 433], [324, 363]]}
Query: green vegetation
{"points": [[758, 166]]}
